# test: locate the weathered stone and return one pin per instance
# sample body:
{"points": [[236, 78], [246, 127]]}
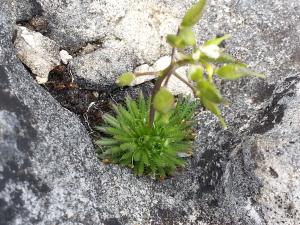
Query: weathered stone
{"points": [[49, 173], [39, 24], [36, 51], [26, 9], [278, 159], [100, 69], [65, 57], [140, 24]]}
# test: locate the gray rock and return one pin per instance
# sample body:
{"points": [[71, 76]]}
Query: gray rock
{"points": [[278, 158], [38, 23], [26, 9], [140, 24], [100, 69], [130, 32], [49, 173]]}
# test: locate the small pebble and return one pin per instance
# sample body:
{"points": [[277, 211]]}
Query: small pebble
{"points": [[96, 94], [65, 57]]}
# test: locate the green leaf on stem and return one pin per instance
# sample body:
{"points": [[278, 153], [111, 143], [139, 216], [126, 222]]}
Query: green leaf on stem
{"points": [[236, 71], [210, 72], [223, 58], [163, 101], [209, 91], [184, 57], [196, 73], [211, 51], [188, 36], [185, 38], [193, 15], [176, 41], [125, 79], [212, 107], [217, 41]]}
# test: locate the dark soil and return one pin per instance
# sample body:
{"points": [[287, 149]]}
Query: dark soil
{"points": [[89, 105]]}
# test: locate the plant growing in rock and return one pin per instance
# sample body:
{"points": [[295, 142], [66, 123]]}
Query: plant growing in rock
{"points": [[133, 143], [148, 136]]}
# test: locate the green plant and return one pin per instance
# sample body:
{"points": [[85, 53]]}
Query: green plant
{"points": [[131, 142], [207, 63]]}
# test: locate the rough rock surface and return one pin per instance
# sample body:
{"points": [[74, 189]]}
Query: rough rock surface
{"points": [[278, 159], [100, 69], [246, 175], [26, 9], [130, 32], [140, 24], [37, 52]]}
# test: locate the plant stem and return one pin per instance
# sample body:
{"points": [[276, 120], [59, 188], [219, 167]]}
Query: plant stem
{"points": [[172, 60], [164, 74], [155, 89], [139, 74], [186, 82]]}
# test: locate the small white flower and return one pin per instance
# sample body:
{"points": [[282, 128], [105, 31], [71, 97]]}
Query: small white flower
{"points": [[212, 51], [196, 55]]}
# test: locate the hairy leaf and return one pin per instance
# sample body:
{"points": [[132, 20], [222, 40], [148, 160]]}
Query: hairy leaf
{"points": [[211, 51], [176, 41], [163, 101], [209, 91], [188, 36], [236, 71], [196, 73], [217, 41], [125, 79], [223, 58], [193, 15]]}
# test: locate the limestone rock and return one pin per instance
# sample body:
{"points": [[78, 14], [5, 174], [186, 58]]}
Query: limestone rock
{"points": [[140, 24], [278, 163], [245, 175], [100, 69], [65, 57], [36, 51]]}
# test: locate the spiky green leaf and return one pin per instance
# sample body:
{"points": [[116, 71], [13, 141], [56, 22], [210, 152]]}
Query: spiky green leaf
{"points": [[134, 144], [106, 141]]}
